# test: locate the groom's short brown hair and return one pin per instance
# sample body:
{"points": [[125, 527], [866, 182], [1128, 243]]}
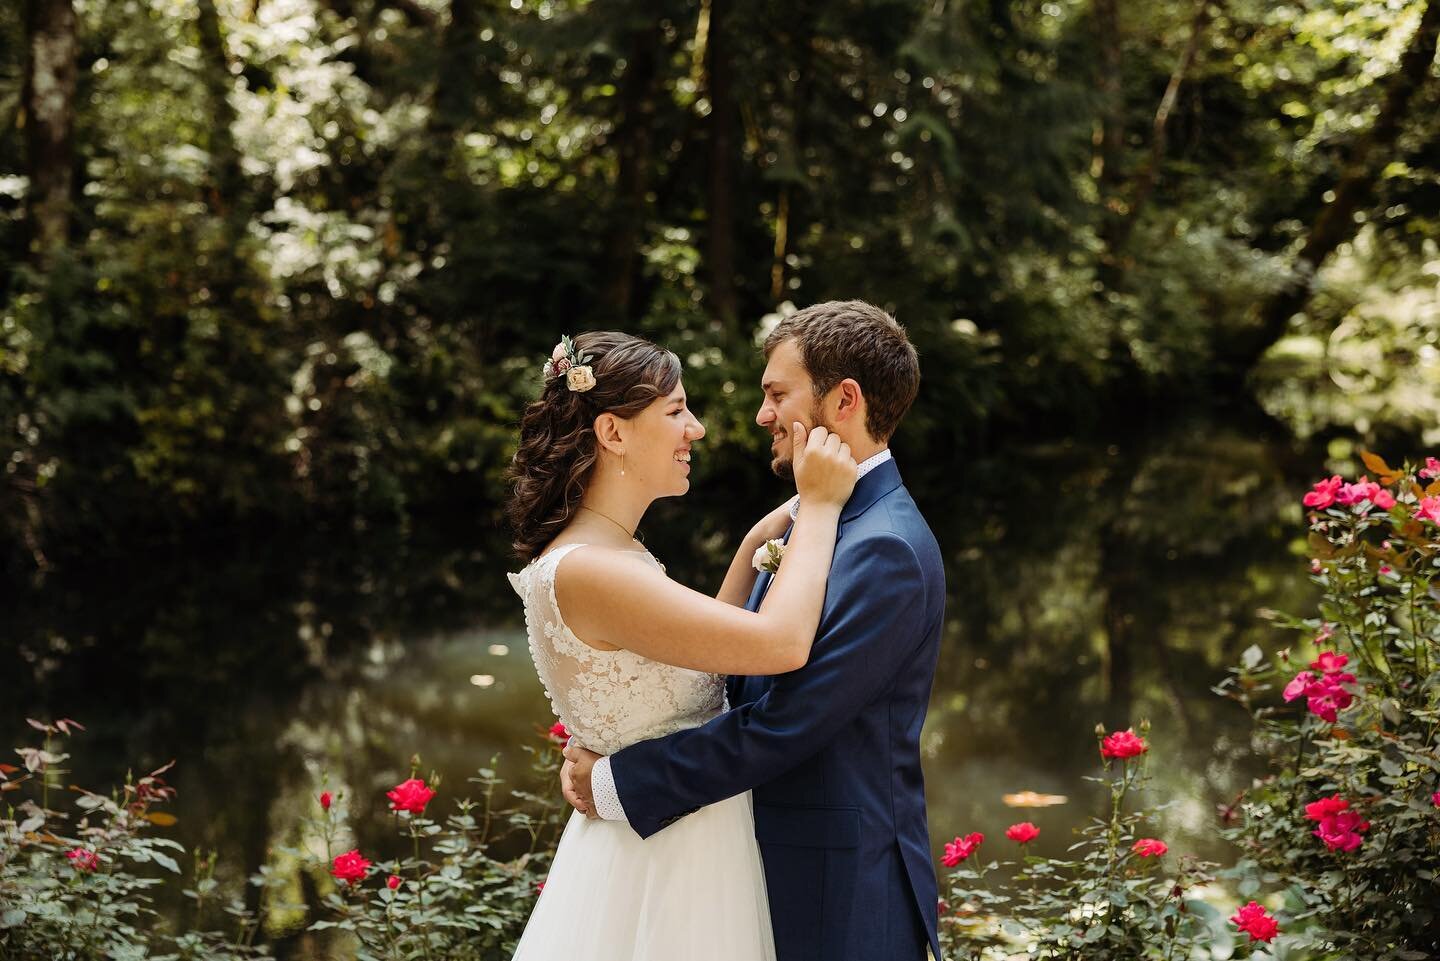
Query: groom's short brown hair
{"points": [[850, 338]]}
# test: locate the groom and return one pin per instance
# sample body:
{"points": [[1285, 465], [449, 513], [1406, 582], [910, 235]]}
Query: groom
{"points": [[831, 751]]}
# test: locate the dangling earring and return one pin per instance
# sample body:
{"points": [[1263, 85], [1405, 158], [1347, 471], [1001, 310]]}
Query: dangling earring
{"points": [[622, 465]]}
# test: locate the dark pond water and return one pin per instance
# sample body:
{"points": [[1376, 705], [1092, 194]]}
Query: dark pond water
{"points": [[1090, 583]]}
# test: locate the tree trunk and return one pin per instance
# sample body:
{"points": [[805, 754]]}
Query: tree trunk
{"points": [[1356, 187], [455, 87], [1109, 140], [720, 246], [1145, 180], [634, 137], [228, 198], [49, 118]]}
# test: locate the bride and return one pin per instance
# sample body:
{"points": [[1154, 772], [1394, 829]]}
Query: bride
{"points": [[626, 654]]}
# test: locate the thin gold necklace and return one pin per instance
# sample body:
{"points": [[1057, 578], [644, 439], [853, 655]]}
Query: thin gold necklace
{"points": [[628, 533]]}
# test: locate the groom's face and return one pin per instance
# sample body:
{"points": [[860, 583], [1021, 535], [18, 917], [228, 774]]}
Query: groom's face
{"points": [[789, 397]]}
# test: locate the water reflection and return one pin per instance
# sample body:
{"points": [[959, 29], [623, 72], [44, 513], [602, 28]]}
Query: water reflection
{"points": [[1090, 583]]}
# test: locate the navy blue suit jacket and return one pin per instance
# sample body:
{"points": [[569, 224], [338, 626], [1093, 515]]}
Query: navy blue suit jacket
{"points": [[831, 751]]}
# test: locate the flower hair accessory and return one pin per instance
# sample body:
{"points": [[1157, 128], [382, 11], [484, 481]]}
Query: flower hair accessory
{"points": [[575, 367]]}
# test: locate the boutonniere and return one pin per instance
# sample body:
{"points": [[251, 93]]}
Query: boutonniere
{"points": [[768, 556]]}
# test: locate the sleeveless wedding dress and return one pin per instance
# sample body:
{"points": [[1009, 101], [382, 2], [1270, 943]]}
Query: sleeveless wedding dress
{"points": [[693, 892]]}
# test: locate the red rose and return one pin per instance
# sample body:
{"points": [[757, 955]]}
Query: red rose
{"points": [[350, 867], [83, 859], [1024, 832], [558, 733], [1124, 745], [961, 848], [1435, 798], [325, 800], [411, 795], [1326, 808], [1150, 848], [392, 882], [1253, 920]]}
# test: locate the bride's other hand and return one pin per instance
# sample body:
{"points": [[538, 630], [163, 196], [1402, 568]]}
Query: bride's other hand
{"points": [[824, 470]]}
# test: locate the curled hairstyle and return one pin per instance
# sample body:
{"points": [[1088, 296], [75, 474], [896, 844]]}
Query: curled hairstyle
{"points": [[850, 338], [558, 448]]}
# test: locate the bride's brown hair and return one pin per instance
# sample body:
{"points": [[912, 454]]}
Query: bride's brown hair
{"points": [[558, 450]]}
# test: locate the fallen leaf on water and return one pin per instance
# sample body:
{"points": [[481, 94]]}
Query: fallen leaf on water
{"points": [[1031, 799]]}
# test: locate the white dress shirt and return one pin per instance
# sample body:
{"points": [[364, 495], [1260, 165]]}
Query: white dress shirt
{"points": [[605, 799]]}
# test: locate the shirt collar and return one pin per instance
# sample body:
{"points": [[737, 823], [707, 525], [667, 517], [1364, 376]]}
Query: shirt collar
{"points": [[865, 467]]}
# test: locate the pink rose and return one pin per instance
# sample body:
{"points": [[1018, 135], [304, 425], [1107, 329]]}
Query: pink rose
{"points": [[411, 795], [1327, 697], [558, 367], [1429, 510], [961, 848], [1383, 499], [1124, 745], [1435, 798], [392, 882], [350, 867], [1024, 832], [325, 800], [83, 860], [1362, 490], [1340, 828], [1150, 848], [1315, 566], [1253, 920], [1299, 685], [1342, 831], [1431, 468], [539, 886], [1322, 495], [1384, 569], [558, 733], [1330, 662], [559, 352]]}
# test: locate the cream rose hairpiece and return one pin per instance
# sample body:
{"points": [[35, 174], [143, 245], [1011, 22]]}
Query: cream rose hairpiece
{"points": [[575, 367]]}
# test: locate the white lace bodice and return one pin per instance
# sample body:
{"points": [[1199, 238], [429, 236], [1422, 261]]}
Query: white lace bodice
{"points": [[607, 699]]}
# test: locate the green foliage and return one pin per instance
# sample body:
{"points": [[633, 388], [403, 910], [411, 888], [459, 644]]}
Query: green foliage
{"points": [[57, 907], [315, 262], [468, 883], [1377, 569], [453, 898]]}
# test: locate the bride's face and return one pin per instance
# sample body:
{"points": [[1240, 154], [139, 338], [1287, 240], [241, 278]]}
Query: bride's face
{"points": [[658, 452]]}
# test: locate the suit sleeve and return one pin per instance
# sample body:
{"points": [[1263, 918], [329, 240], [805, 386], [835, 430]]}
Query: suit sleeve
{"points": [[872, 626]]}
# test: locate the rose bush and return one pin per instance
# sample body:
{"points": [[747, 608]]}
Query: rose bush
{"points": [[1346, 823]]}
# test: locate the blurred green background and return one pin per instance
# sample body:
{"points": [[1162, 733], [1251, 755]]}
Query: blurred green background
{"points": [[278, 277]]}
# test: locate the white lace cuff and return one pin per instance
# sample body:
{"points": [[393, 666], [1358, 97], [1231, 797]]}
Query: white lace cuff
{"points": [[603, 794]]}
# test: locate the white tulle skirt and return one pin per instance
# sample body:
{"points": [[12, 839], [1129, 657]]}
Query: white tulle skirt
{"points": [[693, 892]]}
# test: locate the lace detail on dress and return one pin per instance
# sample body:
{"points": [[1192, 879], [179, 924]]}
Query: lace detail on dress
{"points": [[607, 699]]}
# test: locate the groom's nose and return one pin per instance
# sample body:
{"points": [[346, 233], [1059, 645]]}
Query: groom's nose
{"points": [[765, 416]]}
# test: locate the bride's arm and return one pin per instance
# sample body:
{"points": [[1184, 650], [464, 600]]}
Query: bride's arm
{"points": [[625, 602], [741, 575]]}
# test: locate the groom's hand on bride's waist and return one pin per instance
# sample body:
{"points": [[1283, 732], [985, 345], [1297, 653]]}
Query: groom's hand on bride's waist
{"points": [[575, 779]]}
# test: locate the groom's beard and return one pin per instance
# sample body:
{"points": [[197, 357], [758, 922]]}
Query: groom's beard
{"points": [[783, 465]]}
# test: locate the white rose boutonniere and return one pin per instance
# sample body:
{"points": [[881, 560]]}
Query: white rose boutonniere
{"points": [[768, 556]]}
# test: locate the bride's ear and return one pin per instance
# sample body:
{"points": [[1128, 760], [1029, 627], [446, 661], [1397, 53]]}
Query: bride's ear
{"points": [[609, 433]]}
